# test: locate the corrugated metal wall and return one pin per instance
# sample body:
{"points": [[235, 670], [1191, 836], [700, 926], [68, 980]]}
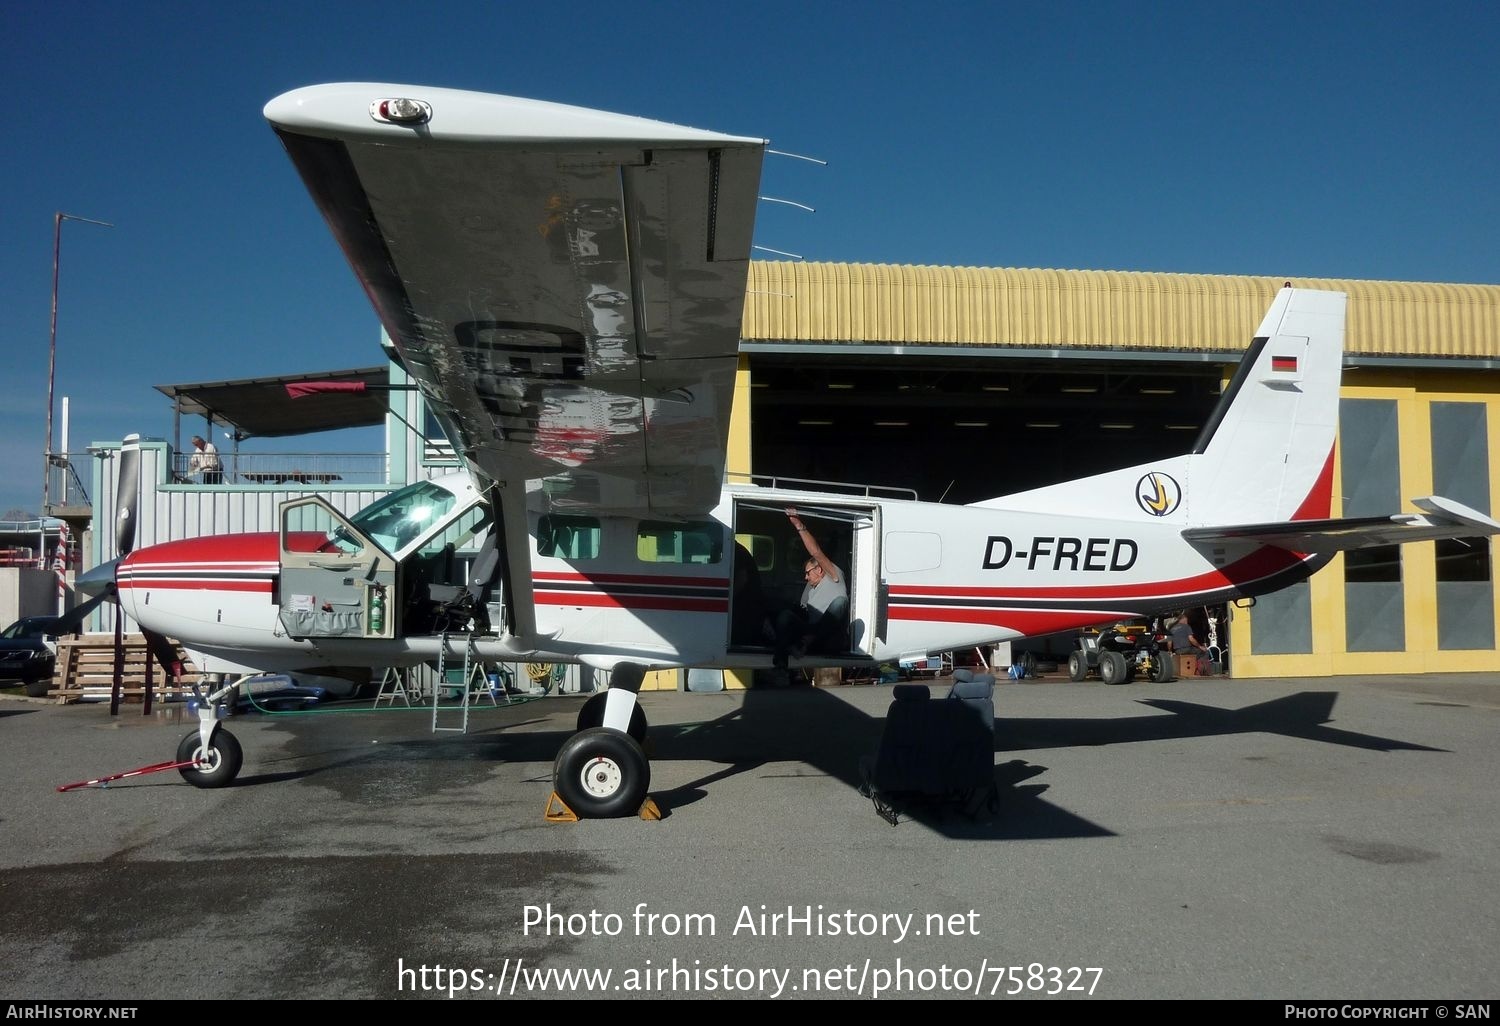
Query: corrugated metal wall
{"points": [[912, 305], [171, 513]]}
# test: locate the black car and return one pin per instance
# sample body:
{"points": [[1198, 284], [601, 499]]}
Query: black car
{"points": [[27, 652]]}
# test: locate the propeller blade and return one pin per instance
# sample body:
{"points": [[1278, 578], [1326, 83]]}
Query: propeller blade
{"points": [[127, 494], [71, 622]]}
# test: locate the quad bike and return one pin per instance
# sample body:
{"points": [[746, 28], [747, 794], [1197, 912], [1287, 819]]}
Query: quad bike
{"points": [[1120, 654]]}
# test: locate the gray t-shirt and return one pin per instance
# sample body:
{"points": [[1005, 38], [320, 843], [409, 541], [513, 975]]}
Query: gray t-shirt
{"points": [[817, 598], [1181, 637]]}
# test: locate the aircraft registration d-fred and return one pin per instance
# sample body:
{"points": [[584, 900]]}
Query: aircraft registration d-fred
{"points": [[565, 286]]}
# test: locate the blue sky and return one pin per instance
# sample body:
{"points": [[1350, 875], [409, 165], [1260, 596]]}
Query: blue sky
{"points": [[1344, 140]]}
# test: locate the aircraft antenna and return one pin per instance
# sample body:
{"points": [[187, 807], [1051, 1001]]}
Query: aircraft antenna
{"points": [[798, 156], [778, 252], [790, 203]]}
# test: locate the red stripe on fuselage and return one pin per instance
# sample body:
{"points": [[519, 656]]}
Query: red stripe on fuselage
{"points": [[1261, 563], [602, 600], [549, 576], [200, 584], [1027, 622]]}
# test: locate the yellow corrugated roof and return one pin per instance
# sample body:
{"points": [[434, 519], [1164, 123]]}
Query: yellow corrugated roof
{"points": [[923, 305]]}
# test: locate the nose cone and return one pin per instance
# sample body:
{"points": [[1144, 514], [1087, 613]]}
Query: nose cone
{"points": [[99, 580]]}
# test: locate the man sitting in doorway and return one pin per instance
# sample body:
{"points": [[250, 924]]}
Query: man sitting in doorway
{"points": [[820, 621], [1185, 641]]}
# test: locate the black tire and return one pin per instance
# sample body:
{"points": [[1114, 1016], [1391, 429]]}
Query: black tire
{"points": [[1161, 668], [592, 715], [225, 757], [1112, 668], [38, 688], [601, 774], [1078, 665]]}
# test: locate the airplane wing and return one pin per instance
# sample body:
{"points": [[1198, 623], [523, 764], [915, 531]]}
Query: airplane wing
{"points": [[565, 285], [1441, 518]]}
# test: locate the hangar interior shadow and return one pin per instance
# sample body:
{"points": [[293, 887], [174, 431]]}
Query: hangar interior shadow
{"points": [[962, 429]]}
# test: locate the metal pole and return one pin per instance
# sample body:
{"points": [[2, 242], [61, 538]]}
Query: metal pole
{"points": [[57, 221]]}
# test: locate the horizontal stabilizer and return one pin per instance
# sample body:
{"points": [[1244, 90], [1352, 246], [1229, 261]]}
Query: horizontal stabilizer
{"points": [[1440, 518]]}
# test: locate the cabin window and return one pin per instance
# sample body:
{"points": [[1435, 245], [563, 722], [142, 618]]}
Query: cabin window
{"points": [[564, 536], [693, 542], [762, 547]]}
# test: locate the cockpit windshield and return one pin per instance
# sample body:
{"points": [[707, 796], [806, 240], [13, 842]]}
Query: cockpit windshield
{"points": [[398, 519]]}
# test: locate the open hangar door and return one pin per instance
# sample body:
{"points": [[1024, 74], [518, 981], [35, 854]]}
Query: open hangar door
{"points": [[963, 429]]}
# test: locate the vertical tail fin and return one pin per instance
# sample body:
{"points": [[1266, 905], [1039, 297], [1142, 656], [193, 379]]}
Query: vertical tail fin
{"points": [[1266, 454]]}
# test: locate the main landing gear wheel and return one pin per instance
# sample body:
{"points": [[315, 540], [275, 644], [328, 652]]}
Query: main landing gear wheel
{"points": [[601, 774], [592, 715], [1078, 666], [1112, 668], [218, 767]]}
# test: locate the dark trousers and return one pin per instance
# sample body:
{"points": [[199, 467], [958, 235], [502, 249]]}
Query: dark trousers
{"points": [[799, 627]]}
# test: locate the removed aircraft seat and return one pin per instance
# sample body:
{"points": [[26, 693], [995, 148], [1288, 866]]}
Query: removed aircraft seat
{"points": [[977, 692], [935, 754], [458, 605]]}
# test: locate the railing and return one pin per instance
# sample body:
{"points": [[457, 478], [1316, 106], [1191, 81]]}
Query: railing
{"points": [[65, 488], [803, 483], [280, 469], [19, 541], [18, 556]]}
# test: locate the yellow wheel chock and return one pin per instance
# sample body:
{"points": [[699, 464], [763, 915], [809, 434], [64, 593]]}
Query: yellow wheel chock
{"points": [[557, 810]]}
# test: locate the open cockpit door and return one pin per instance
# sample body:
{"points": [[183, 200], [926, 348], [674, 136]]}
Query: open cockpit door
{"points": [[335, 581]]}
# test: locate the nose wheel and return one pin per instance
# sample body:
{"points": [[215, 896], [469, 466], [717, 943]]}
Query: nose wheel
{"points": [[601, 774], [214, 766]]}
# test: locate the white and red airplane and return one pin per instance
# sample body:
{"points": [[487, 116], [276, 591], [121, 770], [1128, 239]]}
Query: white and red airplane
{"points": [[566, 287]]}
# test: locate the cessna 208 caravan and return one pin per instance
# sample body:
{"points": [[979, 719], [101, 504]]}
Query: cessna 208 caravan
{"points": [[566, 287]]}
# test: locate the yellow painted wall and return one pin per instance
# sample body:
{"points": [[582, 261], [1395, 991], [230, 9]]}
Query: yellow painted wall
{"points": [[1414, 392]]}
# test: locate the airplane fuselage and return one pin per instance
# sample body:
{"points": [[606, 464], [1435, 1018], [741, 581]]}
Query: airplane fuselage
{"points": [[922, 577]]}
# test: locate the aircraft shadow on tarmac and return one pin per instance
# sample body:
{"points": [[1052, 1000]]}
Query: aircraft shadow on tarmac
{"points": [[832, 737]]}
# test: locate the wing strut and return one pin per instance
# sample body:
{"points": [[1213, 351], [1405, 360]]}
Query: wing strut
{"points": [[508, 502]]}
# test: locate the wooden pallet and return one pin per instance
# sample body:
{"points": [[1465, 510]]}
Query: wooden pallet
{"points": [[85, 668]]}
